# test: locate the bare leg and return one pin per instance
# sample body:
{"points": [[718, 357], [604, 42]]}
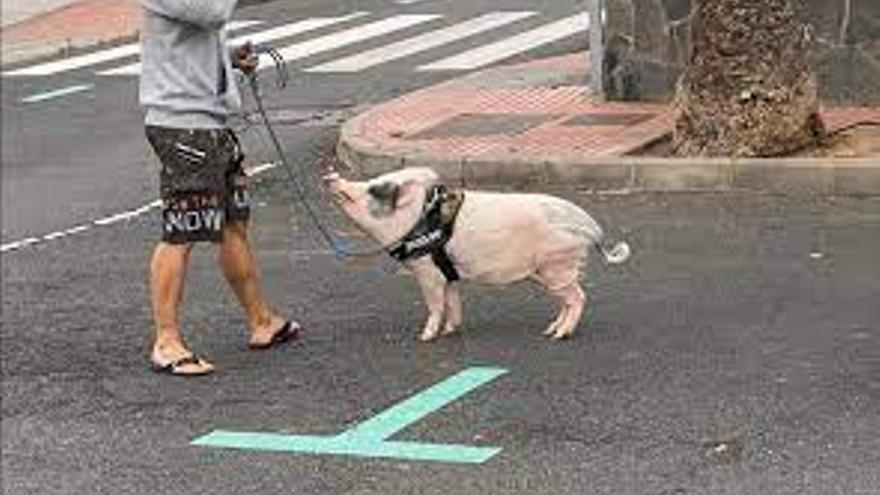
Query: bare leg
{"points": [[241, 272], [433, 288], [167, 272], [453, 309]]}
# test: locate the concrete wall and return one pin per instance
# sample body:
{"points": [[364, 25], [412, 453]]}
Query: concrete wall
{"points": [[647, 43]]}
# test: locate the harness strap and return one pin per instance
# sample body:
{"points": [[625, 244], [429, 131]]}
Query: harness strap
{"points": [[441, 259], [433, 231]]}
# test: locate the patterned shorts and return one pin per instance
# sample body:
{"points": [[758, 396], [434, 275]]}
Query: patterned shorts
{"points": [[202, 183]]}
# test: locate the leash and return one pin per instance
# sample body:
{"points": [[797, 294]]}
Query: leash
{"points": [[340, 248]]}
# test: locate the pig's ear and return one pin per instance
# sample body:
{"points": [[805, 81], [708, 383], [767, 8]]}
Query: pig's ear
{"points": [[407, 192]]}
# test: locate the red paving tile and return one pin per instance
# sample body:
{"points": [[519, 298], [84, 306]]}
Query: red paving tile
{"points": [[392, 125], [91, 19]]}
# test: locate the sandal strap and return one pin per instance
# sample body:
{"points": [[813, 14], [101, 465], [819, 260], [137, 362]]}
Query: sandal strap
{"points": [[191, 359]]}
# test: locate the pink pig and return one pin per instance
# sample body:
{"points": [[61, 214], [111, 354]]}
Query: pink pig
{"points": [[496, 238]]}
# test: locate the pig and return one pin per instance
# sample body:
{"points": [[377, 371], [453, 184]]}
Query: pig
{"points": [[496, 239]]}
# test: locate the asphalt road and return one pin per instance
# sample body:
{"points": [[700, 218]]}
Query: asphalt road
{"points": [[738, 352]]}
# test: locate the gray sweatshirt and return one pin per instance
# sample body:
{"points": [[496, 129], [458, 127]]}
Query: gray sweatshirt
{"points": [[187, 80]]}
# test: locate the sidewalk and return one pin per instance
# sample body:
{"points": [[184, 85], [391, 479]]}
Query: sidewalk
{"points": [[15, 11], [539, 123], [79, 24]]}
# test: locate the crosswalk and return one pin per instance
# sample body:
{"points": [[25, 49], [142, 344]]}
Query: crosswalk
{"points": [[318, 42]]}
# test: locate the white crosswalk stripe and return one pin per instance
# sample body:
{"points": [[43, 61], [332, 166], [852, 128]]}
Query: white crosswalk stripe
{"points": [[337, 36], [514, 45], [279, 32], [99, 57], [421, 43], [338, 40]]}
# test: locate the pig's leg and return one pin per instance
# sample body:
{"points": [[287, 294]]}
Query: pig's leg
{"points": [[453, 309], [560, 319], [433, 286], [573, 299], [560, 278]]}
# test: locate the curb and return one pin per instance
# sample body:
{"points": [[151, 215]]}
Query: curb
{"points": [[811, 176]]}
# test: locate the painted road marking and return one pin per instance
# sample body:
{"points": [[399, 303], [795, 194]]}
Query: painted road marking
{"points": [[127, 215], [65, 233], [19, 244], [109, 220], [284, 31], [508, 47], [370, 438], [102, 56], [337, 40], [352, 36], [55, 93], [421, 43]]}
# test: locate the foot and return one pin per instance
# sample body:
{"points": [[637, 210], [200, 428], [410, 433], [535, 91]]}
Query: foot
{"points": [[278, 332], [176, 359]]}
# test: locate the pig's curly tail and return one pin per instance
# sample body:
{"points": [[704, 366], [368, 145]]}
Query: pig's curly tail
{"points": [[617, 254]]}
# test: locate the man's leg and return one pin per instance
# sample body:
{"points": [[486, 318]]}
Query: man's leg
{"points": [[241, 272], [167, 272]]}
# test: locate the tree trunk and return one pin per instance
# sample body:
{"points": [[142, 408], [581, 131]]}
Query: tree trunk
{"points": [[749, 88]]}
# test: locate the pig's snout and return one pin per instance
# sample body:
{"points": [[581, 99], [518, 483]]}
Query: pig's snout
{"points": [[338, 187]]}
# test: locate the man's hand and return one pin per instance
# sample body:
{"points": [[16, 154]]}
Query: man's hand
{"points": [[245, 59]]}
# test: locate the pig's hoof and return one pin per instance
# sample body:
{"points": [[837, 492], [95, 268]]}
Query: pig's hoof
{"points": [[429, 337], [561, 335], [449, 330]]}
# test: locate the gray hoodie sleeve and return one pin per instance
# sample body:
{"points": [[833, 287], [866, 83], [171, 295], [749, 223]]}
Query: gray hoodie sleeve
{"points": [[203, 13]]}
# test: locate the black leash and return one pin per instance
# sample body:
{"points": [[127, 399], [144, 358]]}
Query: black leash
{"points": [[339, 248]]}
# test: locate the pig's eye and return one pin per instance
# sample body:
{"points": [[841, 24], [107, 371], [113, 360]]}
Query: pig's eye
{"points": [[385, 192]]}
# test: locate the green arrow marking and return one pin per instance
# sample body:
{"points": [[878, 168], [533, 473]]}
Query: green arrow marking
{"points": [[370, 438]]}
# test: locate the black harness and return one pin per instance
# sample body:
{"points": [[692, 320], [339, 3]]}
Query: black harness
{"points": [[432, 231]]}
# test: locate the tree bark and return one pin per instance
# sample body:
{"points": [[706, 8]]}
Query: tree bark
{"points": [[749, 88]]}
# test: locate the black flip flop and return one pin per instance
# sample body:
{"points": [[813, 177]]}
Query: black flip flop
{"points": [[174, 367], [289, 331]]}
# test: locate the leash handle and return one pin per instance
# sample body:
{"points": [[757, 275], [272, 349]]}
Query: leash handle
{"points": [[283, 75]]}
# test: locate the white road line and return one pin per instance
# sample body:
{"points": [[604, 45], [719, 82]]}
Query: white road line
{"points": [[102, 56], [284, 31], [259, 169], [126, 215], [18, 244], [350, 36], [508, 47], [55, 93], [64, 233], [66, 64], [422, 42], [109, 220]]}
